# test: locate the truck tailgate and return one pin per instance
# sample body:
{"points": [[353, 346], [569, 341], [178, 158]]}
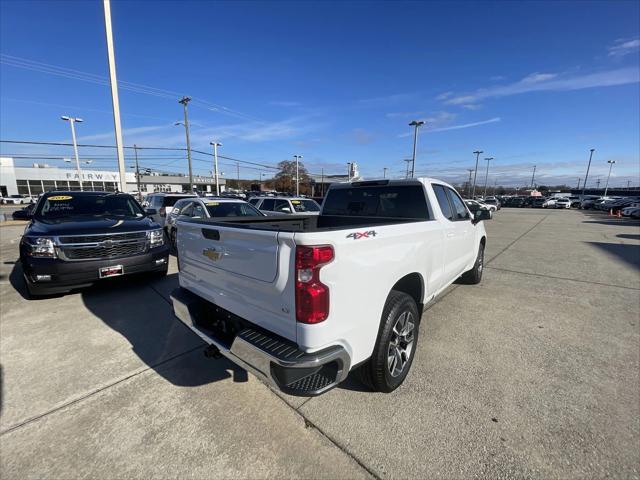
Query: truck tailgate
{"points": [[241, 270]]}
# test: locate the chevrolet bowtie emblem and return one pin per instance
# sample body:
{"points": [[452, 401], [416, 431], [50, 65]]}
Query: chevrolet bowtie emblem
{"points": [[211, 254]]}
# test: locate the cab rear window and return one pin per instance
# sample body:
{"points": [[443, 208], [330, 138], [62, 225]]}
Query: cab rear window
{"points": [[407, 201]]}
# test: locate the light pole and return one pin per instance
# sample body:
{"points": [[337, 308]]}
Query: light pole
{"points": [[215, 165], [408, 160], [72, 122], [606, 186], [384, 172], [533, 177], [349, 171], [486, 177], [579, 179], [184, 101], [586, 177], [415, 124], [113, 81], [297, 157], [473, 192], [471, 170]]}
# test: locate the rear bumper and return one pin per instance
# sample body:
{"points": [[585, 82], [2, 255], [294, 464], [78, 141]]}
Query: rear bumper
{"points": [[66, 276], [273, 359]]}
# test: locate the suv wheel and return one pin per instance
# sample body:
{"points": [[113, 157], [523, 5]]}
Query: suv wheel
{"points": [[396, 344]]}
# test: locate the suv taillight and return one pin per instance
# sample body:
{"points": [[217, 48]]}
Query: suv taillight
{"points": [[312, 296]]}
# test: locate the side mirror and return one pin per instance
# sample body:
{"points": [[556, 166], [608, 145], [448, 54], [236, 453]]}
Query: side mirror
{"points": [[151, 211], [481, 214], [24, 214]]}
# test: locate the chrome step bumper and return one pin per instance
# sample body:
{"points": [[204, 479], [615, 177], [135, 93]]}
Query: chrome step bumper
{"points": [[272, 359]]}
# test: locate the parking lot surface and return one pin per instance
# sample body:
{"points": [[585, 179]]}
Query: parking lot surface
{"points": [[533, 373]]}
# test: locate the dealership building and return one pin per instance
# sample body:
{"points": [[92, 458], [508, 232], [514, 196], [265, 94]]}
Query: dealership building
{"points": [[42, 178]]}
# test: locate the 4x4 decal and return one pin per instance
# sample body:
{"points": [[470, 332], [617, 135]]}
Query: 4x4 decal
{"points": [[358, 235]]}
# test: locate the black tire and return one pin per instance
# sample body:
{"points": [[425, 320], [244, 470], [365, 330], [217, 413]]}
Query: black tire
{"points": [[378, 372], [173, 241], [474, 276]]}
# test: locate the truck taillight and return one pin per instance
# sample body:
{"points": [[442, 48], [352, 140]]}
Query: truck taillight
{"points": [[312, 296]]}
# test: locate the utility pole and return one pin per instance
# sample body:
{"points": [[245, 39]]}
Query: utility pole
{"points": [[495, 185], [578, 183], [349, 171], [606, 187], [408, 160], [628, 184], [415, 124], [469, 182], [473, 192], [135, 151], [72, 122], [384, 172], [586, 177], [322, 181], [486, 177], [533, 177], [114, 96], [184, 101], [238, 174], [297, 157], [598, 184], [215, 165]]}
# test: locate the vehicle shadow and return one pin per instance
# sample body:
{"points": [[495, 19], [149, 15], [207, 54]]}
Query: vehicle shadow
{"points": [[133, 307], [628, 236], [629, 254]]}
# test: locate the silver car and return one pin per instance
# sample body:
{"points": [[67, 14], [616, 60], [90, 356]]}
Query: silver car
{"points": [[287, 206]]}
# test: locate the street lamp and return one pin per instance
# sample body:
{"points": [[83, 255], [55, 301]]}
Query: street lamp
{"points": [[486, 177], [475, 174], [72, 121], [297, 157], [215, 165], [610, 162], [415, 124], [586, 177]]}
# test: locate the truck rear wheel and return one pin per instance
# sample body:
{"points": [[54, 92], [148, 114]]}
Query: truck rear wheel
{"points": [[396, 344]]}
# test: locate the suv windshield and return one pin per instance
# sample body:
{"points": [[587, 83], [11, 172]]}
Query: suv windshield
{"points": [[232, 209], [305, 206], [109, 204], [407, 201]]}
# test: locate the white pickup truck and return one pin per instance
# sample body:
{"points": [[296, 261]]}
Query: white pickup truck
{"points": [[302, 301]]}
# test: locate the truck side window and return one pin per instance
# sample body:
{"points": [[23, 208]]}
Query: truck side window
{"points": [[443, 201], [281, 205], [198, 211], [187, 209], [459, 210], [267, 204]]}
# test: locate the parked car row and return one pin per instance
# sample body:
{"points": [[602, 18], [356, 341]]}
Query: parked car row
{"points": [[18, 199]]}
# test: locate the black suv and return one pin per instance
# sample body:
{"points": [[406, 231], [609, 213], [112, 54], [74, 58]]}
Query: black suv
{"points": [[77, 238]]}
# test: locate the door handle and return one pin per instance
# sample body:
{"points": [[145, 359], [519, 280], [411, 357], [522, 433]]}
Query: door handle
{"points": [[450, 234]]}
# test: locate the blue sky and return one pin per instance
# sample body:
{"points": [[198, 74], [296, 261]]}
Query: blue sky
{"points": [[537, 83]]}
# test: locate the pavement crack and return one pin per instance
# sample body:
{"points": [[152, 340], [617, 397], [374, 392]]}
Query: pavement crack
{"points": [[516, 240], [93, 392], [563, 278]]}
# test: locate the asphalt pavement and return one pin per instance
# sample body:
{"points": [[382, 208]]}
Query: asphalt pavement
{"points": [[533, 373]]}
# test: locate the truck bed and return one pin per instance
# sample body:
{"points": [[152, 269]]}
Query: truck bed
{"points": [[297, 224]]}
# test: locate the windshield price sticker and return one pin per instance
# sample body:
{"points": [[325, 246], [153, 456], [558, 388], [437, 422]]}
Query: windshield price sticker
{"points": [[213, 204], [59, 198], [295, 202]]}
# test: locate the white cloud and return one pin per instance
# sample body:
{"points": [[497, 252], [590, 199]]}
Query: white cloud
{"points": [[404, 114], [284, 103], [467, 125], [624, 47], [471, 106], [126, 132], [387, 100], [538, 77], [538, 82]]}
